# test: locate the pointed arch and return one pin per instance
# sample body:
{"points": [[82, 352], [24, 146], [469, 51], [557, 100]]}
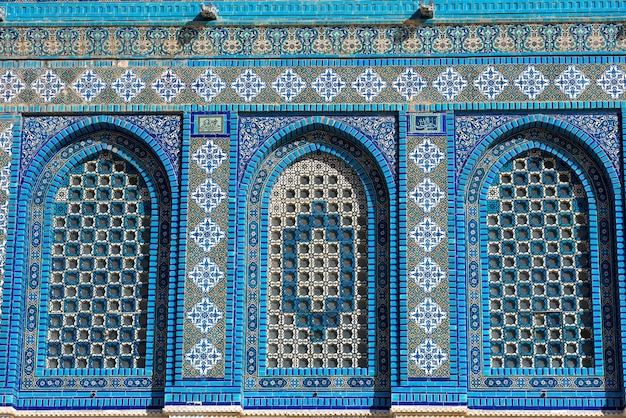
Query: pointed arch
{"points": [[96, 208], [589, 217], [308, 143]]}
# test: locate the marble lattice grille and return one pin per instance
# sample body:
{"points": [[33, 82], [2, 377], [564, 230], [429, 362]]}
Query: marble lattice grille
{"points": [[98, 294], [317, 312]]}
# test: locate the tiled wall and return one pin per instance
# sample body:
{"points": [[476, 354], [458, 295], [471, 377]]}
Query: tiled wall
{"points": [[416, 111]]}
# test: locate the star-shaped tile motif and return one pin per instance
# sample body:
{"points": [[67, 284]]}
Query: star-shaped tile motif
{"points": [[491, 83], [128, 86], [289, 85], [248, 85], [328, 85], [89, 85], [48, 86], [450, 83]]}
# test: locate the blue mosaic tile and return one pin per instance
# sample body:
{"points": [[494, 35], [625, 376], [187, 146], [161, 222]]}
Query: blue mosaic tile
{"points": [[529, 267], [96, 248]]}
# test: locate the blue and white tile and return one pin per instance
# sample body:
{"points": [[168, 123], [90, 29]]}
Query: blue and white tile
{"points": [[427, 156], [209, 85], [168, 86], [207, 234], [209, 156], [369, 84], [248, 85], [531, 82], [289, 85], [429, 356], [208, 195], [613, 81], [203, 356], [48, 86], [427, 234], [428, 315], [450, 83], [89, 85], [204, 315], [128, 86], [206, 275], [572, 82], [409, 84], [427, 274], [10, 86], [491, 83], [328, 85], [427, 195]]}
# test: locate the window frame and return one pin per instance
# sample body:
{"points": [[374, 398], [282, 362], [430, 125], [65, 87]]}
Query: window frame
{"points": [[61, 156], [526, 388], [258, 183]]}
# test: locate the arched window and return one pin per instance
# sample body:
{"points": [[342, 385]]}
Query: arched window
{"points": [[318, 274], [316, 268], [98, 291], [96, 240], [539, 265]]}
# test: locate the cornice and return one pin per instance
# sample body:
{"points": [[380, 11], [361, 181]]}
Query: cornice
{"points": [[188, 411]]}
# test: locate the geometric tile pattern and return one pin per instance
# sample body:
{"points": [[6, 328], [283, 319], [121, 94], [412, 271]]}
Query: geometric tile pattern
{"points": [[491, 83], [208, 195], [429, 357], [613, 81], [128, 86], [427, 300], [206, 274], [97, 309], [248, 85], [289, 85], [89, 85], [540, 311], [427, 274], [427, 195], [428, 315], [48, 86], [10, 86], [209, 85], [168, 86], [204, 315], [572, 82], [531, 82], [427, 156], [207, 234], [204, 356], [427, 234], [368, 85], [409, 84], [6, 140], [450, 83], [317, 303], [328, 84]]}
